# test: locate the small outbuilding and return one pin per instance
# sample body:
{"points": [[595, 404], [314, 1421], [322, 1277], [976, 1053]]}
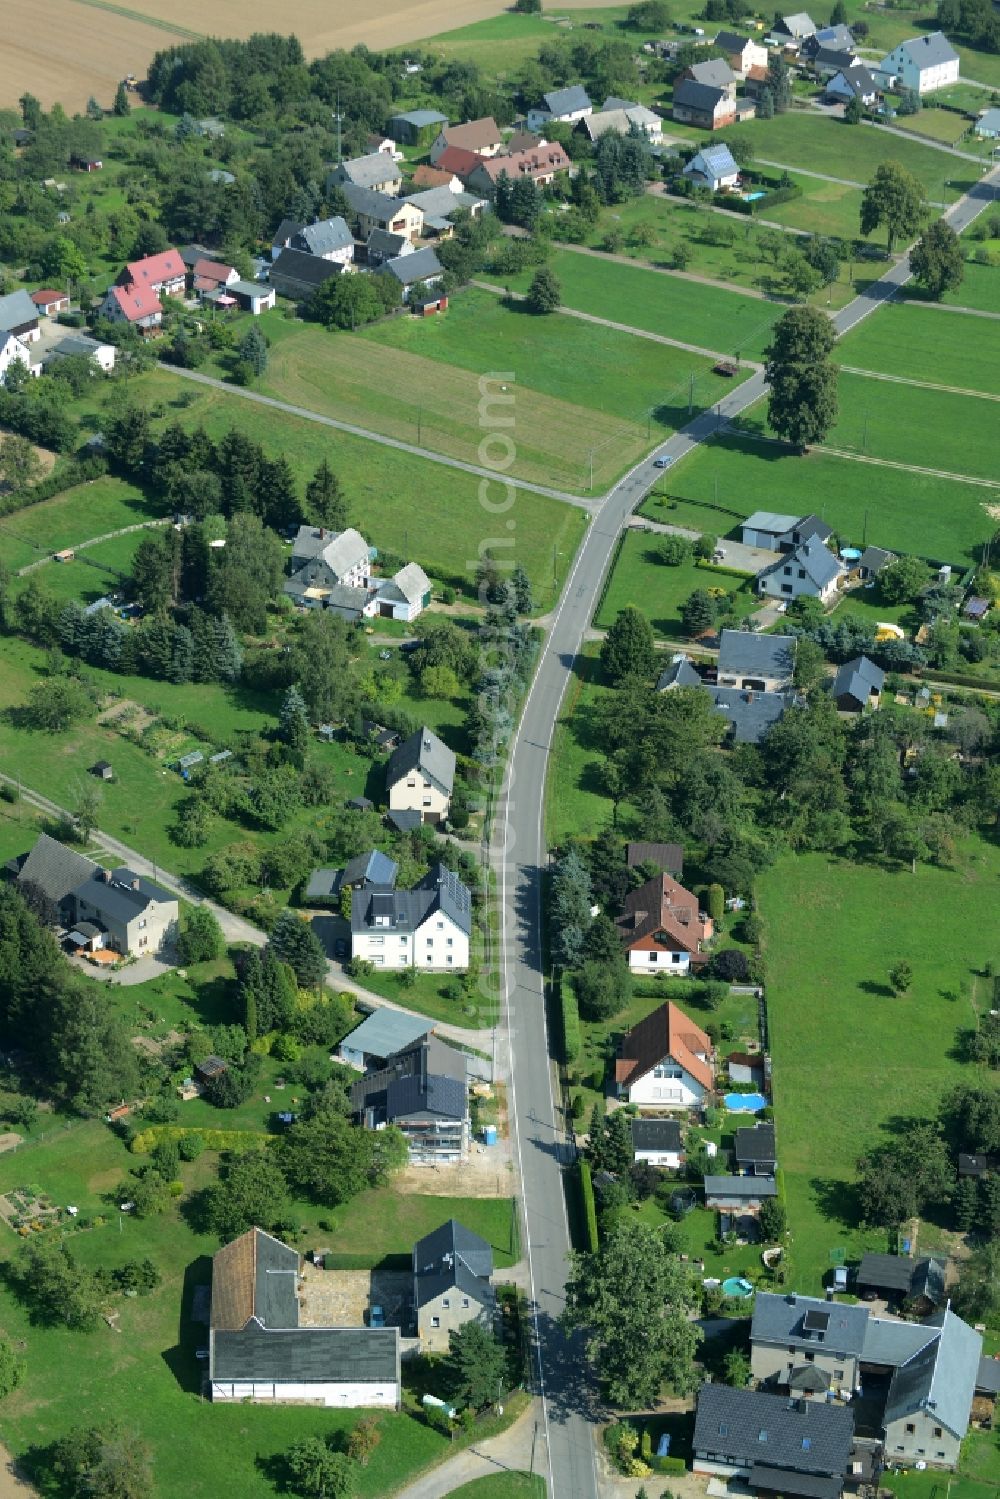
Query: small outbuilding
{"points": [[103, 770], [858, 685]]}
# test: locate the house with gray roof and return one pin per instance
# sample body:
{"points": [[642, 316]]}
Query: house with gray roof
{"points": [[405, 595], [827, 61], [439, 205], [857, 685], [566, 104], [708, 105], [930, 1397], [811, 570], [738, 1194], [422, 267], [415, 127], [791, 1330], [713, 167], [923, 63], [381, 1035], [764, 529], [776, 1445], [299, 275], [323, 560], [327, 239], [383, 245], [374, 210], [716, 72], [420, 776], [423, 1091], [791, 31], [855, 82], [19, 315], [130, 913], [680, 673], [765, 663], [378, 170], [903, 1278], [452, 1285], [373, 870], [836, 38], [872, 561], [987, 127], [264, 1346], [751, 715], [427, 927], [658, 1142], [56, 871]]}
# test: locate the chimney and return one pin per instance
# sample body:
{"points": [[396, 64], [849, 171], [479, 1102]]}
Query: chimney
{"points": [[106, 876], [135, 882]]}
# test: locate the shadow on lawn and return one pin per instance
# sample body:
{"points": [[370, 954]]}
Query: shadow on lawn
{"points": [[181, 1360], [836, 1200]]}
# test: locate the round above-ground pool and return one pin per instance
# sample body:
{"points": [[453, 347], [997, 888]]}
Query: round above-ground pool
{"points": [[745, 1103], [736, 1288]]}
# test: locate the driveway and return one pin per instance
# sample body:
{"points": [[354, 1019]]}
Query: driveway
{"points": [[152, 966], [746, 559]]}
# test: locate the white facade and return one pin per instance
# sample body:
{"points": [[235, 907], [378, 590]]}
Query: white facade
{"points": [[13, 351], [438, 943], [790, 581], [671, 1159], [905, 64], [654, 960], [667, 1086], [414, 793], [343, 1396]]}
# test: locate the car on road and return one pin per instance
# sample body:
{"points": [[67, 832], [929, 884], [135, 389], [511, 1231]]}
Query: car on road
{"points": [[340, 949], [662, 462]]}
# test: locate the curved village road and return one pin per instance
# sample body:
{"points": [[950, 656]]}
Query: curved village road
{"points": [[569, 1394]]}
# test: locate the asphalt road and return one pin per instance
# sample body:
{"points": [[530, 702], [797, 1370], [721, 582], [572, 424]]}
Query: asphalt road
{"points": [[569, 1396]]}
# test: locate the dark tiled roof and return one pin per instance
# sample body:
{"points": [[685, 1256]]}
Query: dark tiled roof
{"points": [[298, 268], [744, 654], [800, 1436], [452, 1255], [669, 856], [755, 1144], [254, 1276], [55, 869], [656, 1134], [425, 752], [780, 1319], [427, 1077], [307, 1355], [806, 1485], [748, 1188], [751, 714], [896, 1272]]}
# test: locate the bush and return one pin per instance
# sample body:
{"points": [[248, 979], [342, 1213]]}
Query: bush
{"points": [[570, 1015], [672, 1465], [716, 901], [588, 1205]]}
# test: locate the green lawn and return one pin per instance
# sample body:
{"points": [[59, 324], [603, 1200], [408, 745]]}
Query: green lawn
{"points": [[385, 1222], [920, 343], [929, 428], [76, 515], [824, 208], [411, 506], [936, 125], [145, 1374], [503, 1486], [901, 510], [669, 305], [659, 591], [575, 801], [824, 144], [980, 289], [94, 571], [849, 1057]]}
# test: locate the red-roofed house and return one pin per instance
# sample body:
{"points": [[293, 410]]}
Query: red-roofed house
{"points": [[211, 275], [481, 136], [540, 164], [662, 929], [50, 302], [665, 1062], [458, 162], [164, 273], [138, 305], [425, 177]]}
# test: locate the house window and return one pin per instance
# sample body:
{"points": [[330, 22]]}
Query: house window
{"points": [[675, 957], [427, 801], [838, 1373], [939, 1454], [465, 1303], [802, 572], [653, 957], [436, 1322], [142, 922], [910, 1429], [411, 782], [450, 941], [440, 926], [938, 1432], [449, 958], [788, 572], [430, 941], [786, 588], [810, 1358]]}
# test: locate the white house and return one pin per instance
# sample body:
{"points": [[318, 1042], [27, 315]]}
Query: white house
{"points": [[323, 560], [328, 239], [742, 52], [404, 595], [481, 136], [378, 171], [810, 569], [18, 314], [427, 927], [70, 343], [662, 929], [852, 83], [13, 351], [713, 167], [923, 63], [658, 1142], [138, 305], [420, 776], [565, 104], [264, 1345], [665, 1062]]}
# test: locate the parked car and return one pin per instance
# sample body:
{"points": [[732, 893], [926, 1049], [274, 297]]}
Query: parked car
{"points": [[340, 949], [662, 462]]}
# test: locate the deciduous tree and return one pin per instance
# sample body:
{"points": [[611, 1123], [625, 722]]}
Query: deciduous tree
{"points": [[894, 198], [802, 400]]}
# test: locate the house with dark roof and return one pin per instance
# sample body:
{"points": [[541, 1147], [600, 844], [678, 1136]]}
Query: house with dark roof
{"points": [[669, 857], [930, 1397], [428, 927], [662, 929], [708, 105], [789, 1331], [327, 239], [423, 1090], [680, 673], [420, 268], [857, 685], [566, 104], [378, 170], [764, 663], [835, 38], [19, 316], [420, 776], [899, 1277], [132, 914], [923, 63], [754, 1151], [373, 870], [791, 31], [826, 62], [373, 210], [716, 72], [299, 275], [742, 53], [738, 1195], [415, 127], [383, 245], [854, 82], [811, 570], [665, 1061], [452, 1285], [658, 1142], [977, 1165], [383, 1033], [776, 1445], [263, 1347], [751, 715], [713, 167]]}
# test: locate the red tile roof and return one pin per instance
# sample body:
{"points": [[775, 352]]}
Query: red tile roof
{"points": [[44, 298], [668, 1032], [211, 273], [662, 905], [154, 270], [474, 135], [542, 161], [455, 159], [136, 302], [426, 176]]}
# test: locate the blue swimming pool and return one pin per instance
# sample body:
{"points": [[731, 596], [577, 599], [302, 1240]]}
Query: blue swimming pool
{"points": [[736, 1288], [752, 197], [745, 1103]]}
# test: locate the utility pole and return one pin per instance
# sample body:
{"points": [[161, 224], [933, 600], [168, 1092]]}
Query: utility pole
{"points": [[340, 142]]}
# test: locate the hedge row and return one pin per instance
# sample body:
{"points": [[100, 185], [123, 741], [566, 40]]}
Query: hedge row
{"points": [[988, 684], [589, 1205], [759, 205], [79, 471], [213, 1139], [569, 1012]]}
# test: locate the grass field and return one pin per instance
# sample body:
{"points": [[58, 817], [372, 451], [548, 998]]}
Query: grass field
{"points": [[824, 208], [833, 929], [908, 424], [922, 344], [896, 507], [823, 144], [665, 304], [934, 124], [87, 510], [420, 380], [980, 289], [503, 1486], [146, 1373], [413, 506], [659, 591]]}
